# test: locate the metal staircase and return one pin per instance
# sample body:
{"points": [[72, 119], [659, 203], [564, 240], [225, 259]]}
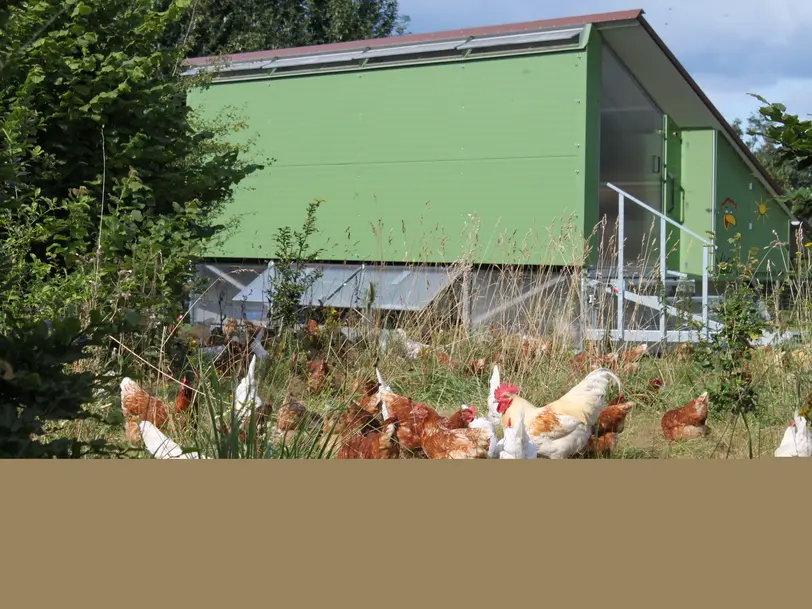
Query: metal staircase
{"points": [[662, 320]]}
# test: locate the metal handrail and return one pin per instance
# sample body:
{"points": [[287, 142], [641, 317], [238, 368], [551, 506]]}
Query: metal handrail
{"points": [[658, 214], [621, 282]]}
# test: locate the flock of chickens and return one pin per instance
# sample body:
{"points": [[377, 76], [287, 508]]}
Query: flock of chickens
{"points": [[381, 424]]}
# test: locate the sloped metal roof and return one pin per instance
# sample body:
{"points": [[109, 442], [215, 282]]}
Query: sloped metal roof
{"points": [[415, 39]]}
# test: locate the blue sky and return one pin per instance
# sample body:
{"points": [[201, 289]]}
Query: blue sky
{"points": [[730, 47]]}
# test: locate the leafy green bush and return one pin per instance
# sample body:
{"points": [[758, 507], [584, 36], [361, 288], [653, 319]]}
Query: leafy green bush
{"points": [[38, 387], [291, 279], [110, 187], [728, 352], [111, 184]]}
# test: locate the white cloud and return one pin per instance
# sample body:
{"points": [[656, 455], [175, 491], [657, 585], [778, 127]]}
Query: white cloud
{"points": [[731, 47]]}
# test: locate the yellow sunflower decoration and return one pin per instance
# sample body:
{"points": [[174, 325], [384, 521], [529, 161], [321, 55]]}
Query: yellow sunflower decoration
{"points": [[761, 211]]}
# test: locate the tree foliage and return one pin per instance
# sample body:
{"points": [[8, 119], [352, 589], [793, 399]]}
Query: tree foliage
{"points": [[39, 387], [228, 26], [783, 142], [110, 187], [766, 150], [104, 165]]}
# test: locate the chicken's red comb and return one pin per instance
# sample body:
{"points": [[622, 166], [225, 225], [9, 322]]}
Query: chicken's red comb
{"points": [[505, 388], [471, 408]]}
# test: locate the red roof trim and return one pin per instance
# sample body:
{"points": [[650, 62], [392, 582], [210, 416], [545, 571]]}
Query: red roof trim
{"points": [[494, 30]]}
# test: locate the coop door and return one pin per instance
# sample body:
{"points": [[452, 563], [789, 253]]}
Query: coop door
{"points": [[672, 187]]}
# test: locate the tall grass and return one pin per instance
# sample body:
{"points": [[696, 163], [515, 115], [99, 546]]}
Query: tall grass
{"points": [[527, 317]]}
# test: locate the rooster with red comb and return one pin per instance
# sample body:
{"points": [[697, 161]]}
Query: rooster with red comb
{"points": [[562, 428]]}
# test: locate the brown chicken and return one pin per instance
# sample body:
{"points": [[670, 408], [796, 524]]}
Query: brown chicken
{"points": [[137, 405], [446, 361], [376, 445], [801, 357], [294, 420], [317, 371], [459, 419], [476, 367], [201, 333], [363, 415], [652, 389], [381, 444], [261, 416], [292, 415], [439, 442], [534, 348], [612, 419], [517, 350], [241, 331], [624, 362], [409, 426], [687, 422], [602, 446], [684, 352], [655, 384], [367, 398]]}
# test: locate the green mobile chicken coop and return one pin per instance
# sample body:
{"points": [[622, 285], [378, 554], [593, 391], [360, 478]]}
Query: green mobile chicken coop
{"points": [[488, 144]]}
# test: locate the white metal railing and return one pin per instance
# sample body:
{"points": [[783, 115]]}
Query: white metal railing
{"points": [[622, 196]]}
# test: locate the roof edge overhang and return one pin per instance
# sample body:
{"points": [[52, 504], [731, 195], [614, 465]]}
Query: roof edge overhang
{"points": [[723, 125], [416, 39]]}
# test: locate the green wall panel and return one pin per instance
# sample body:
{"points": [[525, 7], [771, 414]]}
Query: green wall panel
{"points": [[502, 139], [734, 180], [698, 193]]}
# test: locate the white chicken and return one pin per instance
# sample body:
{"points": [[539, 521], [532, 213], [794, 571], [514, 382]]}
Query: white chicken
{"points": [[562, 428], [256, 345], [413, 348], [161, 447], [797, 440], [516, 443], [493, 405], [245, 395], [484, 423], [382, 386]]}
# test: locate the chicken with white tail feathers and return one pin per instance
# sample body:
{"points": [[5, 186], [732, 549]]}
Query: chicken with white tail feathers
{"points": [[382, 386], [516, 443], [562, 428], [797, 440], [245, 396], [493, 405], [161, 447], [485, 423]]}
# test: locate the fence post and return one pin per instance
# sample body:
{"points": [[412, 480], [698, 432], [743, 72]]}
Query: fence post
{"points": [[621, 284], [663, 271], [705, 312]]}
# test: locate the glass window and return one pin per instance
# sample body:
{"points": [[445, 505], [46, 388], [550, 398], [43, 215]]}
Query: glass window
{"points": [[631, 158]]}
